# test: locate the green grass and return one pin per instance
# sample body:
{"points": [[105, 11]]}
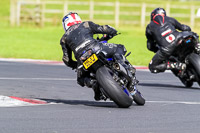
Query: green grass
{"points": [[33, 43], [43, 43], [135, 42]]}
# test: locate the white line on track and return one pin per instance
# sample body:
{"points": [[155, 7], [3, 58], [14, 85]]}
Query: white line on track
{"points": [[160, 81], [175, 102], [6, 78], [11, 101]]}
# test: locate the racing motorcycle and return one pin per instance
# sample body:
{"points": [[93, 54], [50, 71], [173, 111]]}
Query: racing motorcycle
{"points": [[114, 80], [185, 53]]}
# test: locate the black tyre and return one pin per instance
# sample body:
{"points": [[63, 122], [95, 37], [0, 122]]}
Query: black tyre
{"points": [[138, 99], [187, 84], [194, 60], [112, 89]]}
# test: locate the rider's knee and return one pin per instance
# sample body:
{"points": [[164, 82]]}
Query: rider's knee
{"points": [[157, 68], [152, 69]]}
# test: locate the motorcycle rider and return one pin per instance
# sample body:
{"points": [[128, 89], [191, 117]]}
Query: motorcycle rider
{"points": [[78, 37], [162, 38]]}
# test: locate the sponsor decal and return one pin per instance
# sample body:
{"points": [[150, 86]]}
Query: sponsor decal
{"points": [[170, 38], [166, 32], [82, 45]]}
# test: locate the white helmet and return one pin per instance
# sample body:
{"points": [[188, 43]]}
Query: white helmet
{"points": [[70, 19]]}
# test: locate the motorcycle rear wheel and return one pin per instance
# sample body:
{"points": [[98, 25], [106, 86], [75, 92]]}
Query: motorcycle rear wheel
{"points": [[187, 84], [112, 89]]}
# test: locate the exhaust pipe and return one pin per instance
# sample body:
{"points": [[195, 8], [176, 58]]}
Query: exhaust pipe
{"points": [[119, 67]]}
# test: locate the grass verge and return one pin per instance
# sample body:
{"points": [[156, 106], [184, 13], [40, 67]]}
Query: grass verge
{"points": [[43, 43]]}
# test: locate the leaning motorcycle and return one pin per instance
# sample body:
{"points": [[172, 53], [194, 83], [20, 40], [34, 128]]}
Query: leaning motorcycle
{"points": [[114, 81], [185, 53]]}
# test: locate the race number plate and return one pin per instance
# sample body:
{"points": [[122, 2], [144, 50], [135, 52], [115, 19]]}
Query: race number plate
{"points": [[91, 60]]}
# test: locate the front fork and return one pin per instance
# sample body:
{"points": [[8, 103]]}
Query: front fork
{"points": [[133, 88]]}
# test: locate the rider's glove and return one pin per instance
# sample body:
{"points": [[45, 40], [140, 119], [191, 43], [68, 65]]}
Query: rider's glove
{"points": [[186, 28], [113, 31], [197, 48], [196, 34]]}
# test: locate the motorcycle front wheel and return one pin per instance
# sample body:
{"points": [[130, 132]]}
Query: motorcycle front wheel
{"points": [[194, 60], [137, 98]]}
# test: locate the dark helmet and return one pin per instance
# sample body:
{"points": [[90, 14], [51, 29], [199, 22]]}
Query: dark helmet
{"points": [[160, 11]]}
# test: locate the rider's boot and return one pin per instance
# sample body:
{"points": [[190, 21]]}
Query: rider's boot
{"points": [[126, 64], [97, 92], [181, 67], [131, 68], [91, 83]]}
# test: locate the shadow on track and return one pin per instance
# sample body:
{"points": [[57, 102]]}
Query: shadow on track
{"points": [[82, 102], [165, 85]]}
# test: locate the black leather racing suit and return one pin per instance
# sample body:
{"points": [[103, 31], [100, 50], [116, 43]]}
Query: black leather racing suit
{"points": [[79, 38], [162, 38]]}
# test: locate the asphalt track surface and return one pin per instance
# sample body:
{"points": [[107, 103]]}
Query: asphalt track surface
{"points": [[169, 108]]}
